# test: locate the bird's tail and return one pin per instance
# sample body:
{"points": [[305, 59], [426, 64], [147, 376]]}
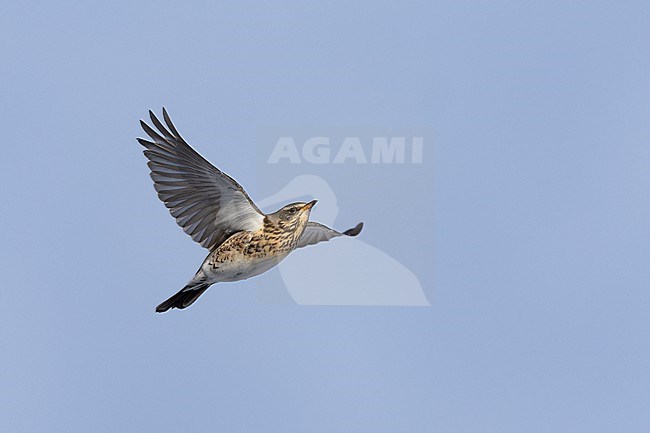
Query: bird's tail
{"points": [[184, 298]]}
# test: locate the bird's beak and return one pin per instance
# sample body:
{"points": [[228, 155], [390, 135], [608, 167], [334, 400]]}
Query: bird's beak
{"points": [[310, 205]]}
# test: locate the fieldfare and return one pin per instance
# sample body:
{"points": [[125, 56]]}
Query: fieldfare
{"points": [[217, 213]]}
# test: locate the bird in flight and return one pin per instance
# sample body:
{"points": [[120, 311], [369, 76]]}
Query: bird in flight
{"points": [[216, 212]]}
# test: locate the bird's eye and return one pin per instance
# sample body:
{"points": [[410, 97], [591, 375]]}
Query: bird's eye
{"points": [[292, 210]]}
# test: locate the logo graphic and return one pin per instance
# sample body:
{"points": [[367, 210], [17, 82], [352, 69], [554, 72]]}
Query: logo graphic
{"points": [[388, 171]]}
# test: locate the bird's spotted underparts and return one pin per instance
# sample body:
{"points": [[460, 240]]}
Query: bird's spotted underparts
{"points": [[217, 213]]}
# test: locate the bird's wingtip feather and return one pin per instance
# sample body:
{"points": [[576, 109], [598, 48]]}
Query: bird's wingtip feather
{"points": [[354, 231]]}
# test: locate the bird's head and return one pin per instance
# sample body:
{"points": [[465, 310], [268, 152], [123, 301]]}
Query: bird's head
{"points": [[292, 215]]}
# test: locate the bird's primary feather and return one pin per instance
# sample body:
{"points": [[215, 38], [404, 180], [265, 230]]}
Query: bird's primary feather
{"points": [[207, 203]]}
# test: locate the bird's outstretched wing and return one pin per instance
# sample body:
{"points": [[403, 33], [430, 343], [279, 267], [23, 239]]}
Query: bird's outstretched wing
{"points": [[207, 203], [316, 232]]}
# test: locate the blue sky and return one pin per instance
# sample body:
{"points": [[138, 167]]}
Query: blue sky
{"points": [[530, 230]]}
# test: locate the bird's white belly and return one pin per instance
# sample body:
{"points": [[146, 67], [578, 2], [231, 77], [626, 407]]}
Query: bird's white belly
{"points": [[239, 269]]}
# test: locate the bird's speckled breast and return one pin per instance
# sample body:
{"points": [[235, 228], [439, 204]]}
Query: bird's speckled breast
{"points": [[247, 254]]}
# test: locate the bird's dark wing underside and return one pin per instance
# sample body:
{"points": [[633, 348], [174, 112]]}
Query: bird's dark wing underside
{"points": [[316, 232], [208, 204]]}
